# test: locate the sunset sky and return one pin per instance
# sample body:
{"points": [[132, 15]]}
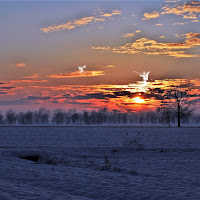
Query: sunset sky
{"points": [[43, 43]]}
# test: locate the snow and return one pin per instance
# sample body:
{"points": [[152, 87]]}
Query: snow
{"points": [[154, 163]]}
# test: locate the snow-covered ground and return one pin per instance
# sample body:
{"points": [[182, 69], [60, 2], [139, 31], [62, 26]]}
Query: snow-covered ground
{"points": [[99, 163]]}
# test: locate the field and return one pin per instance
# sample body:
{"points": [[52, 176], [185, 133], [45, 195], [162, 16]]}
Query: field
{"points": [[99, 163]]}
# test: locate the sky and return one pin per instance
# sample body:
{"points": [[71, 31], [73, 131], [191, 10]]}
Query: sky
{"points": [[44, 42]]}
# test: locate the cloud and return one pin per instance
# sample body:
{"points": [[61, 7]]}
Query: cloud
{"points": [[192, 35], [162, 36], [110, 66], [152, 47], [21, 64], [77, 74], [151, 15], [187, 10], [28, 81], [188, 35], [7, 88], [159, 24], [94, 96], [14, 102], [119, 95], [32, 76], [80, 22], [183, 23], [79, 103], [129, 35], [172, 1], [31, 98], [101, 48]]}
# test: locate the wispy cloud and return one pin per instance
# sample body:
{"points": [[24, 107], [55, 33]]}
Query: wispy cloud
{"points": [[72, 24], [183, 23], [32, 76], [77, 74], [159, 24], [21, 64], [28, 81], [151, 15], [100, 48], [130, 35], [152, 47], [33, 98], [110, 66], [172, 1]]}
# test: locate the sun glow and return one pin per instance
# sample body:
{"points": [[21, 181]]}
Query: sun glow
{"points": [[138, 100]]}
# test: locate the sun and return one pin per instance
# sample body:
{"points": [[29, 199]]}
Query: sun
{"points": [[138, 100]]}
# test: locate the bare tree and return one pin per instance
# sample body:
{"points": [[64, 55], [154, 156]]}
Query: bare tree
{"points": [[58, 116], [10, 117], [21, 118], [44, 115], [86, 117], [28, 117], [166, 113], [1, 118], [74, 117], [177, 102]]}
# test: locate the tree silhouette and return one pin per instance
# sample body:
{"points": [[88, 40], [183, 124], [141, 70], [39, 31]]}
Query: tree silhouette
{"points": [[177, 102], [58, 116], [1, 118], [74, 117], [10, 117]]}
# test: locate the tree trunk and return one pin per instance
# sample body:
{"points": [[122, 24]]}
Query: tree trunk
{"points": [[179, 117]]}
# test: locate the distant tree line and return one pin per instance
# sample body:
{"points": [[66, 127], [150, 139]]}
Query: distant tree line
{"points": [[102, 117]]}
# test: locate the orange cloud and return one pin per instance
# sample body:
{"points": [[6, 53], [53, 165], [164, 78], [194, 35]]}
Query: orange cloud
{"points": [[28, 81], [192, 35], [107, 15], [114, 97], [151, 15], [77, 74], [188, 10], [32, 76], [21, 64], [152, 47], [129, 35], [100, 48], [110, 66], [79, 22]]}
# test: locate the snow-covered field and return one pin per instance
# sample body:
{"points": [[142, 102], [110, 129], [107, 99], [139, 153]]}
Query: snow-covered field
{"points": [[99, 163]]}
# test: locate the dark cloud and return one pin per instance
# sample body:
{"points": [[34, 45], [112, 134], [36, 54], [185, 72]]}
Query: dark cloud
{"points": [[105, 96], [37, 98], [157, 90], [3, 93], [75, 102], [94, 96], [54, 102], [7, 88], [13, 102]]}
